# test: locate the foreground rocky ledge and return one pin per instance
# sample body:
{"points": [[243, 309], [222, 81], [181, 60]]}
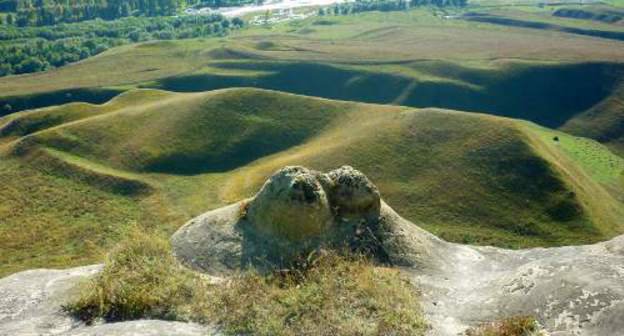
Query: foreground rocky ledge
{"points": [[576, 290]]}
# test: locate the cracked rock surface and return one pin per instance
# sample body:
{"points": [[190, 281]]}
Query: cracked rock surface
{"points": [[575, 290]]}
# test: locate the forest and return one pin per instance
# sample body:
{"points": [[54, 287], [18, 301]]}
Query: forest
{"points": [[50, 12], [33, 49]]}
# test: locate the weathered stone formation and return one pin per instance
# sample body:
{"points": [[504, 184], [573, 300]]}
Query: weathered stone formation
{"points": [[297, 211], [298, 204], [292, 205], [352, 194]]}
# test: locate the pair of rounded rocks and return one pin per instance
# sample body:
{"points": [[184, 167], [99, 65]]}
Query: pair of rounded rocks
{"points": [[297, 211]]}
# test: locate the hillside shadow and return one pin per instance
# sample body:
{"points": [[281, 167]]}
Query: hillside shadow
{"points": [[239, 156], [9, 105], [548, 95], [506, 21]]}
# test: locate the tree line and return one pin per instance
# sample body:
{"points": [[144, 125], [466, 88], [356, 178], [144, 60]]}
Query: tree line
{"points": [[32, 49], [386, 5], [50, 12], [225, 3]]}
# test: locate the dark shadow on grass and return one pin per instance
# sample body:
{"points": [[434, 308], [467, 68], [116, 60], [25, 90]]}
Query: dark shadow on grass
{"points": [[9, 105], [505, 21], [548, 95]]}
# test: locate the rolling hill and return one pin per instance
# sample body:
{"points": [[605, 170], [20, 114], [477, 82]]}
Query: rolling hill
{"points": [[152, 158], [427, 61]]}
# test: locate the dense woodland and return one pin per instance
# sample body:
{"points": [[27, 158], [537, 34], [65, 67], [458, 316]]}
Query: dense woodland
{"points": [[32, 49], [49, 12]]}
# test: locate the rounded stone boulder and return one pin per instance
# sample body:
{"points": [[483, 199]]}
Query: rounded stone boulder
{"points": [[352, 193], [292, 204]]}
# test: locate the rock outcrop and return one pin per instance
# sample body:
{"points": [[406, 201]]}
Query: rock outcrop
{"points": [[292, 205], [298, 204], [574, 290], [296, 211], [352, 193]]}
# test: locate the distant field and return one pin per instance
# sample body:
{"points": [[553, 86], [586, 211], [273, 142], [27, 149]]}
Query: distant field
{"points": [[546, 22]]}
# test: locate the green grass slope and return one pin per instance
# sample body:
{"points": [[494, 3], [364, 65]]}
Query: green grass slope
{"points": [[54, 221], [412, 58], [160, 158], [192, 133], [25, 123], [544, 93], [603, 122]]}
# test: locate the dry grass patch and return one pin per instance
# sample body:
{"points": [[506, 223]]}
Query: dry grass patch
{"points": [[334, 296], [331, 295], [141, 279], [513, 326]]}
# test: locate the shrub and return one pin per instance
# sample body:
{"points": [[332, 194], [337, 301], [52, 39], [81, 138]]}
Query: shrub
{"points": [[140, 279], [31, 64]]}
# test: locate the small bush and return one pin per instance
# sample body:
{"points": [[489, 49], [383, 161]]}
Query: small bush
{"points": [[513, 326], [141, 279], [326, 295]]}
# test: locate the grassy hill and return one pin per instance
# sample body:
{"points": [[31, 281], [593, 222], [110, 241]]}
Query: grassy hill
{"points": [[192, 133], [79, 175], [545, 93], [427, 61]]}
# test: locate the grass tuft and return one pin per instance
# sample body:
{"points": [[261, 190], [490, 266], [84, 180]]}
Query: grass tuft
{"points": [[513, 326], [332, 295], [141, 279], [336, 295]]}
